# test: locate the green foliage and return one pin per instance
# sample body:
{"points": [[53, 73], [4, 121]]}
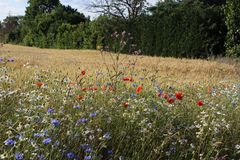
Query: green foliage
{"points": [[182, 29], [171, 28], [232, 11]]}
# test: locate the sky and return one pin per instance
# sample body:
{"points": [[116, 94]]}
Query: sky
{"points": [[17, 7]]}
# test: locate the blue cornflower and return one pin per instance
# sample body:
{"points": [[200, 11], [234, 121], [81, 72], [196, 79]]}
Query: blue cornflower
{"points": [[41, 157], [88, 157], [133, 95], [160, 91], [19, 156], [70, 155], [19, 136], [134, 85], [93, 114], [106, 136], [76, 107], [38, 134], [84, 120], [88, 150], [47, 140], [85, 146], [56, 143], [9, 142], [50, 110], [109, 152], [55, 122]]}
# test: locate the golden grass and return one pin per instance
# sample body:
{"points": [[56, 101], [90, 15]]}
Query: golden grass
{"points": [[69, 61]]}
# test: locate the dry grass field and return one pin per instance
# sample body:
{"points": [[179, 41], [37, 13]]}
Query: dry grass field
{"points": [[178, 70]]}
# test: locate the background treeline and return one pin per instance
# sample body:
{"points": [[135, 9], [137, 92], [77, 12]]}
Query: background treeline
{"points": [[187, 28]]}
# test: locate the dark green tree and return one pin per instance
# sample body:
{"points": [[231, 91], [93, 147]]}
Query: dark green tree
{"points": [[232, 11]]}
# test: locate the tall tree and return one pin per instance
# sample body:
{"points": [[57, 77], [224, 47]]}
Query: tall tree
{"points": [[232, 11], [126, 9]]}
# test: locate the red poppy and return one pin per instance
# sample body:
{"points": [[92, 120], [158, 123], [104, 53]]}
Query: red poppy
{"points": [[39, 84], [139, 88], [165, 96], [158, 94], [128, 79], [84, 89], [79, 97], [125, 104], [179, 95], [200, 103], [111, 88], [93, 89], [104, 88], [171, 100], [83, 72]]}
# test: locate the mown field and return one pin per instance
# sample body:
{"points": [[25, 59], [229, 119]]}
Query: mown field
{"points": [[87, 104]]}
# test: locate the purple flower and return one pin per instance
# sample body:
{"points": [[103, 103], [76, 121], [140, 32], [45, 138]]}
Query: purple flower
{"points": [[38, 134], [9, 142], [55, 122], [93, 114], [84, 120], [19, 156], [56, 143], [50, 110], [10, 60], [88, 157], [47, 140], [19, 136], [41, 157], [133, 95], [76, 107], [134, 85], [88, 150], [109, 152], [106, 136], [70, 155], [85, 146], [1, 59]]}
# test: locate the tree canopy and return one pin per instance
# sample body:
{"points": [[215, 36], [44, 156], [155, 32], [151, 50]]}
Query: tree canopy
{"points": [[178, 28]]}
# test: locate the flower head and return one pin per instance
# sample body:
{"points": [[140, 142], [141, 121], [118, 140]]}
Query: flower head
{"points": [[39, 84], [106, 136], [50, 110], [55, 122], [10, 60], [1, 59], [179, 95], [139, 88], [93, 114], [200, 103], [125, 104], [87, 157], [127, 79], [171, 100], [76, 107], [47, 140], [19, 156], [83, 72], [9, 142], [70, 155]]}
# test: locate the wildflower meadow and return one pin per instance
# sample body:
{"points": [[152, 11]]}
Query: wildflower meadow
{"points": [[113, 109]]}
